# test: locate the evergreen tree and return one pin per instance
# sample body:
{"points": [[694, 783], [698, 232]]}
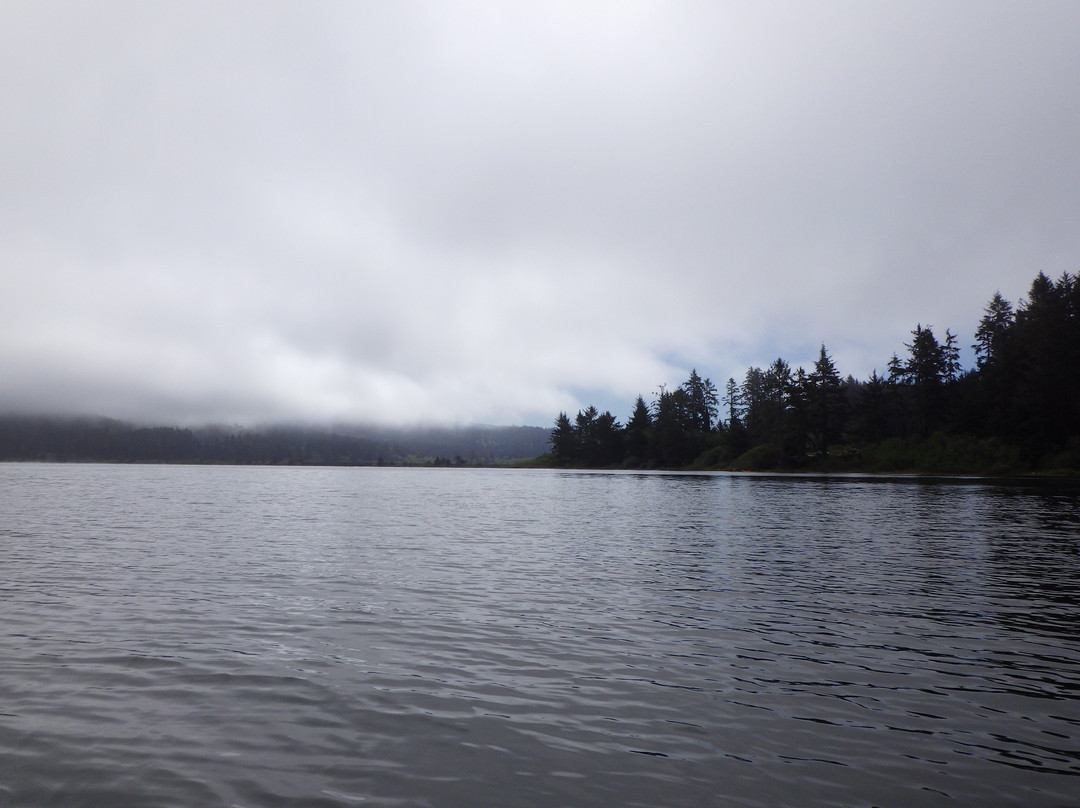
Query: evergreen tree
{"points": [[992, 328], [735, 429], [765, 396], [1044, 348], [564, 444], [608, 440], [797, 418], [754, 397], [778, 387], [701, 401], [733, 400], [897, 373], [672, 443], [925, 372], [826, 402], [926, 365], [637, 431], [951, 355], [585, 426], [872, 416]]}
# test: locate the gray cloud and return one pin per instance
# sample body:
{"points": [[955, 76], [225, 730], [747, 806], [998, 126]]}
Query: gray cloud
{"points": [[480, 212]]}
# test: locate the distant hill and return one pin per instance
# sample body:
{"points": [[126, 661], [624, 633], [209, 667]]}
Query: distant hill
{"points": [[471, 443], [43, 438]]}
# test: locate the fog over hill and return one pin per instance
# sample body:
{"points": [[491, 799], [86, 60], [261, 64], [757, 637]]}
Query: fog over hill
{"points": [[89, 439]]}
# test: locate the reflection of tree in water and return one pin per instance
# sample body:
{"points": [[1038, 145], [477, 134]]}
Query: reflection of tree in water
{"points": [[1034, 558]]}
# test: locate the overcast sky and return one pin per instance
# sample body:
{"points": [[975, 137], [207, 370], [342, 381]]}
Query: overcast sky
{"points": [[245, 212]]}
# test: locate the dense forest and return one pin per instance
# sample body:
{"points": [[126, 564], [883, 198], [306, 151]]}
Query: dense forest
{"points": [[1016, 411], [103, 440]]}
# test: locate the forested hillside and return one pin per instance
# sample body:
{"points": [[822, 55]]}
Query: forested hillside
{"points": [[1017, 410], [104, 440]]}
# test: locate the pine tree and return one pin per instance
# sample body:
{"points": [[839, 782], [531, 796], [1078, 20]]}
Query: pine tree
{"points": [[733, 400], [564, 444], [608, 440], [826, 403], [637, 431], [672, 444], [925, 371], [778, 386], [585, 426], [872, 409], [1044, 346], [702, 401], [992, 328], [754, 397], [951, 355]]}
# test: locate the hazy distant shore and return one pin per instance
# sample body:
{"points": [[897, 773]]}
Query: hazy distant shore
{"points": [[54, 439]]}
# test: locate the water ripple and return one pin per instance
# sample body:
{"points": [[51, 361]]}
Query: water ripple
{"points": [[390, 637]]}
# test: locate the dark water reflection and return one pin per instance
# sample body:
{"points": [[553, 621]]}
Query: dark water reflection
{"points": [[1030, 546], [335, 637]]}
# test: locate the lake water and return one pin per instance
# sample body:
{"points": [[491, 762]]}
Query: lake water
{"points": [[223, 636]]}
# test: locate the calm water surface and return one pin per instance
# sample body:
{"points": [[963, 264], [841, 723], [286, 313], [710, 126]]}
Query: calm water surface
{"points": [[221, 636]]}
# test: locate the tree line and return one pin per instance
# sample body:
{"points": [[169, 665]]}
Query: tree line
{"points": [[1017, 409]]}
